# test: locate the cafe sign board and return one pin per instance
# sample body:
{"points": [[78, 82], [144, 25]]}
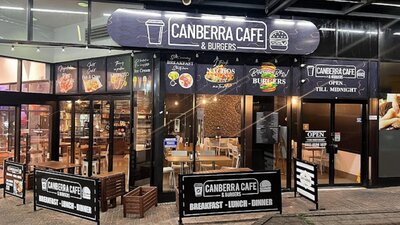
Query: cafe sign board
{"points": [[204, 32], [14, 179], [67, 193], [331, 79], [229, 193]]}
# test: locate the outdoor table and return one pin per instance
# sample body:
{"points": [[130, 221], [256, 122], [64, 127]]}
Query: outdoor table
{"points": [[103, 190], [56, 166]]}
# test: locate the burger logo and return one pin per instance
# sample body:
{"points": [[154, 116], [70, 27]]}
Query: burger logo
{"points": [[268, 77], [279, 40]]}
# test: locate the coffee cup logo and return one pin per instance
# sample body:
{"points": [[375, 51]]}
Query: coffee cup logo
{"points": [[198, 189], [154, 31]]}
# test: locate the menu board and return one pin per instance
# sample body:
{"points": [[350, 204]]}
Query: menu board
{"points": [[331, 79], [119, 69], [66, 77], [67, 193], [267, 80], [179, 70], [14, 174], [142, 72], [93, 75], [219, 78]]}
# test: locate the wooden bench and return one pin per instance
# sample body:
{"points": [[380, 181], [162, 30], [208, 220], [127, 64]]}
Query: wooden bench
{"points": [[112, 186], [140, 200]]}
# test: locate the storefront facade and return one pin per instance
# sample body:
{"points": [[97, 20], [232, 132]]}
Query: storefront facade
{"points": [[273, 89]]}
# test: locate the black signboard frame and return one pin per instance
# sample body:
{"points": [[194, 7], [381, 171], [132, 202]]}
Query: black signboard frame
{"points": [[315, 179], [272, 175], [23, 175], [96, 195]]}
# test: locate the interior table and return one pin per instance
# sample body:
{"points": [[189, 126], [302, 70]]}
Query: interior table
{"points": [[213, 159], [56, 166], [179, 159]]}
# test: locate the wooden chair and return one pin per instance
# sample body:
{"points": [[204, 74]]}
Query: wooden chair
{"points": [[322, 161], [235, 163]]}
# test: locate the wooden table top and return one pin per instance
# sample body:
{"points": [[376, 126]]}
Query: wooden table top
{"points": [[55, 165], [106, 174], [210, 158], [244, 169]]}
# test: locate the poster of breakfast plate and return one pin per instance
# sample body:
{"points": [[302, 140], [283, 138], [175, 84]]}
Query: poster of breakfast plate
{"points": [[267, 79], [66, 78], [119, 71], [179, 73], [220, 78], [93, 75]]}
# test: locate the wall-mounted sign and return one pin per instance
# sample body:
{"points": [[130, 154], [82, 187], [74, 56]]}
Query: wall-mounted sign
{"points": [[93, 75], [180, 73], [220, 77], [203, 32], [66, 193], [14, 179], [267, 80], [142, 72], [66, 77], [315, 138], [213, 194], [335, 79], [170, 142], [119, 69], [306, 183]]}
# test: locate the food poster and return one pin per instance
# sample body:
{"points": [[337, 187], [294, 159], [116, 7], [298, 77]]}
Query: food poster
{"points": [[119, 70], [267, 79], [14, 179], [142, 72], [220, 77], [93, 75], [66, 78], [179, 74]]}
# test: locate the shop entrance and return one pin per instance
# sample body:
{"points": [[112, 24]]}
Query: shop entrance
{"points": [[333, 139]]}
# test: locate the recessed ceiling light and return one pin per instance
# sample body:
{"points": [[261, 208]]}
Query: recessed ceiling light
{"points": [[35, 19], [83, 4]]}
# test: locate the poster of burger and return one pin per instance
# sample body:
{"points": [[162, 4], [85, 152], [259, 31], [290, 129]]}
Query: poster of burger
{"points": [[267, 79]]}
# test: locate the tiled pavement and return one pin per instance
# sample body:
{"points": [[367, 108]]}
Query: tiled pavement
{"points": [[350, 206]]}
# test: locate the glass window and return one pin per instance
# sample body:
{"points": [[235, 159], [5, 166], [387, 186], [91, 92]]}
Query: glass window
{"points": [[101, 11], [35, 77], [101, 128], [7, 131], [357, 39], [35, 135], [62, 21], [8, 74], [65, 131], [13, 19], [389, 40]]}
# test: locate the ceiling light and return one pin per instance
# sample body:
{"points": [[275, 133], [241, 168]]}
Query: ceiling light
{"points": [[235, 19], [83, 4], [34, 19], [12, 8], [109, 51], [347, 1], [327, 29], [215, 99], [58, 11], [107, 14], [372, 32], [38, 49], [385, 4], [176, 103], [353, 31], [204, 101], [63, 49], [87, 47], [137, 12], [396, 33], [12, 48]]}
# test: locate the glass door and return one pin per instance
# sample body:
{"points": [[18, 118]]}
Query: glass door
{"points": [[332, 139], [7, 132]]}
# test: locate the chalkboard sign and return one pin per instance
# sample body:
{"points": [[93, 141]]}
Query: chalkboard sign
{"points": [[179, 73], [306, 183], [66, 77], [267, 80], [67, 193], [14, 179], [229, 193], [92, 75], [119, 71], [219, 76], [142, 72]]}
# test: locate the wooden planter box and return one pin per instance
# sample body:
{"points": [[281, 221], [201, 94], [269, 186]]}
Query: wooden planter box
{"points": [[140, 200]]}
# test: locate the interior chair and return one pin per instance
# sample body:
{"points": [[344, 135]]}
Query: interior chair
{"points": [[177, 166], [223, 146], [322, 161], [104, 150], [169, 170], [207, 166], [235, 163]]}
